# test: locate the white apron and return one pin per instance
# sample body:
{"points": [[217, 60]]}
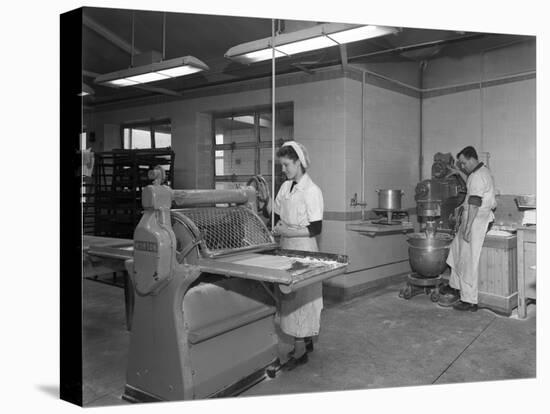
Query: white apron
{"points": [[300, 311], [463, 256]]}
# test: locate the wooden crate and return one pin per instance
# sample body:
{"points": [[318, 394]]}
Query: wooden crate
{"points": [[498, 283]]}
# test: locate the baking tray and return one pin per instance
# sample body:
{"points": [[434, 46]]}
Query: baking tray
{"points": [[290, 269]]}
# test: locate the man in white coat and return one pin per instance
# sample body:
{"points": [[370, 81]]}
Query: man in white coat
{"points": [[477, 214]]}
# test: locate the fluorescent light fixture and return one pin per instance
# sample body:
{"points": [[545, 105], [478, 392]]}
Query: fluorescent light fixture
{"points": [[258, 55], [153, 72], [179, 71], [360, 33], [314, 43], [312, 38], [148, 77]]}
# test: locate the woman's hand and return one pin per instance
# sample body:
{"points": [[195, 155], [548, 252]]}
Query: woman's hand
{"points": [[280, 229]]}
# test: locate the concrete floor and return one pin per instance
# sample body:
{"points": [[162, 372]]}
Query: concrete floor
{"points": [[372, 341]]}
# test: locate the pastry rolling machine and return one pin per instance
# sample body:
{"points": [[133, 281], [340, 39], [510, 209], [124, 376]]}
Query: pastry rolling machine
{"points": [[207, 275]]}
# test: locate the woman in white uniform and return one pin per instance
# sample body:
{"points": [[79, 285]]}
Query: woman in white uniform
{"points": [[298, 210]]}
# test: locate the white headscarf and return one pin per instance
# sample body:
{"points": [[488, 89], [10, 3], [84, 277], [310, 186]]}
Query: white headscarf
{"points": [[301, 151]]}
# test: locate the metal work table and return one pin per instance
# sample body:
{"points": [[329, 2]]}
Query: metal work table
{"points": [[94, 266]]}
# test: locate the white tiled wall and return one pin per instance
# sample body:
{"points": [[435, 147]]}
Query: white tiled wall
{"points": [[508, 133]]}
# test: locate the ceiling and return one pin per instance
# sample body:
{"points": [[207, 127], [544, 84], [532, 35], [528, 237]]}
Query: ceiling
{"points": [[108, 34]]}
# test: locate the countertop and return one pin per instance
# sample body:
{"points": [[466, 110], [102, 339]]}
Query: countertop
{"points": [[373, 229]]}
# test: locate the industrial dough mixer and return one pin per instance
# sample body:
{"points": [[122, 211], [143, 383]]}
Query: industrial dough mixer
{"points": [[437, 200], [207, 277]]}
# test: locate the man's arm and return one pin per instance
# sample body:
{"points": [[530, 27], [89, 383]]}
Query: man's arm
{"points": [[456, 171], [472, 213]]}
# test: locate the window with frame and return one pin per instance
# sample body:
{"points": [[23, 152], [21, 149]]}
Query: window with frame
{"points": [[242, 144], [147, 134]]}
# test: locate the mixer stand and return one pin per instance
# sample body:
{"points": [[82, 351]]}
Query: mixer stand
{"points": [[416, 285]]}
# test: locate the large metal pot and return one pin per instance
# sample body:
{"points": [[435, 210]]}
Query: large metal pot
{"points": [[389, 199], [428, 255]]}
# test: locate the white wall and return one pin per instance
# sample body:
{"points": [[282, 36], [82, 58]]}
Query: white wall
{"points": [[499, 118], [318, 123], [487, 65]]}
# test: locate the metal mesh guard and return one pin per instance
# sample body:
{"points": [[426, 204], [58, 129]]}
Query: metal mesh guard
{"points": [[229, 228]]}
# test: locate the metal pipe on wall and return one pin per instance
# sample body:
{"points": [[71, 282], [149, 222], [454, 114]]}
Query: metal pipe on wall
{"points": [[273, 120], [363, 138], [422, 67]]}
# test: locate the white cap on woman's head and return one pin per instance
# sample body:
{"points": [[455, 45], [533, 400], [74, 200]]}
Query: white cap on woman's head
{"points": [[301, 151]]}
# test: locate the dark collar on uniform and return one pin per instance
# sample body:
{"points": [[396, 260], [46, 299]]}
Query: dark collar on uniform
{"points": [[302, 183], [478, 166]]}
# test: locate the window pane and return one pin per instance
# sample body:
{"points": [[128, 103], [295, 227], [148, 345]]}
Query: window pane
{"points": [[238, 162], [141, 138], [265, 161], [163, 135], [265, 169], [236, 129], [126, 138], [219, 165], [163, 140], [221, 185], [284, 120]]}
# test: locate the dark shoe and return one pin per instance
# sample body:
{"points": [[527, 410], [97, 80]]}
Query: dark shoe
{"points": [[293, 362], [465, 306], [448, 299], [309, 344]]}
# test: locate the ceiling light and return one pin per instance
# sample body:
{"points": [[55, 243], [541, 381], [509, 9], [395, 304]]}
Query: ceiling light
{"points": [[312, 38], [153, 72], [314, 43], [360, 33], [148, 77], [258, 55]]}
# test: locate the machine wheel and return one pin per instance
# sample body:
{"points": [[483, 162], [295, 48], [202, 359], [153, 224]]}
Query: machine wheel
{"points": [[434, 297], [406, 292], [271, 370]]}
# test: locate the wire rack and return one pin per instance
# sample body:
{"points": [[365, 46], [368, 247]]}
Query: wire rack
{"points": [[225, 229]]}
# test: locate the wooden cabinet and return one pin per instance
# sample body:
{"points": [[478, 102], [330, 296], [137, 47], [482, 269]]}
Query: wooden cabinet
{"points": [[527, 273], [498, 274]]}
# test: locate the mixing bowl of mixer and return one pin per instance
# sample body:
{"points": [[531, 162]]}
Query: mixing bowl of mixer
{"points": [[428, 255]]}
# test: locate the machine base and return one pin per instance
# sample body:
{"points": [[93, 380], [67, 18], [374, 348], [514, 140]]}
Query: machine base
{"points": [[134, 395], [416, 285]]}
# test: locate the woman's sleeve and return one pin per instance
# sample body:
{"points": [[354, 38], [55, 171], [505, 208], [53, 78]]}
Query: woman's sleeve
{"points": [[314, 205]]}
